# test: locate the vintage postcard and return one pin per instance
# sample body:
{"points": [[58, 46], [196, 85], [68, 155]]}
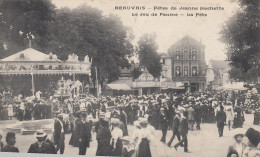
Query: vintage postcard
{"points": [[130, 78]]}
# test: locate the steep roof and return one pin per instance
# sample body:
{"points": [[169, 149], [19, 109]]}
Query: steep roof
{"points": [[29, 54], [219, 64], [164, 55], [187, 40]]}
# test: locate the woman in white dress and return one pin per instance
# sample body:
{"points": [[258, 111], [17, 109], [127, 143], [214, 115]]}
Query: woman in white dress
{"points": [[10, 111]]}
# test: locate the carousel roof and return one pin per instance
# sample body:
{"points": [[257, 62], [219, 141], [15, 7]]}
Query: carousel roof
{"points": [[29, 54]]}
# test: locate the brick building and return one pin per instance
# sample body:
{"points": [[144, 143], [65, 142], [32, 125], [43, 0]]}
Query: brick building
{"points": [[188, 63]]}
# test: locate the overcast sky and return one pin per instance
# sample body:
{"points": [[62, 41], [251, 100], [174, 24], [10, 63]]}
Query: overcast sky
{"points": [[169, 29]]}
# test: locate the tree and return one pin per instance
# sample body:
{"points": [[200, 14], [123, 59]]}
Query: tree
{"points": [[148, 56], [241, 34], [23, 20], [85, 31]]}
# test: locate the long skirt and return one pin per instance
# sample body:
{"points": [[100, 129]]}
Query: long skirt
{"points": [[74, 140], [144, 149], [103, 148]]}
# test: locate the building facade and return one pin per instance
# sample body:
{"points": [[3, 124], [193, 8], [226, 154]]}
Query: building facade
{"points": [[166, 62], [217, 74], [188, 63]]}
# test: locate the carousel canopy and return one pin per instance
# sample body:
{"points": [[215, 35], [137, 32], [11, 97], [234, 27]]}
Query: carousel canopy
{"points": [[29, 54]]}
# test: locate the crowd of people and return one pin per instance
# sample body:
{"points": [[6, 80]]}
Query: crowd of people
{"points": [[109, 117]]}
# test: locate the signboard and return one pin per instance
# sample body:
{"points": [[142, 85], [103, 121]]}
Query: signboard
{"points": [[146, 84]]}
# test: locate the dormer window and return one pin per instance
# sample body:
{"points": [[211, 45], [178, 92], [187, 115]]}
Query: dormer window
{"points": [[178, 55], [22, 56]]}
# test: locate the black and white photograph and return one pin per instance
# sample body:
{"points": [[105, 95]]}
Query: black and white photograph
{"points": [[130, 78]]}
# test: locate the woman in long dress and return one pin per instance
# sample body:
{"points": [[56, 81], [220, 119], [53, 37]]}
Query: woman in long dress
{"points": [[116, 140], [74, 140], [143, 140]]}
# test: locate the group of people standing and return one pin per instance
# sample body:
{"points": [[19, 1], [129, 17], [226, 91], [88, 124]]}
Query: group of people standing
{"points": [[108, 118]]}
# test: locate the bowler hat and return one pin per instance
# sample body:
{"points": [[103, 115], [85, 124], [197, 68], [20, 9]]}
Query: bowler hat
{"points": [[10, 135]]}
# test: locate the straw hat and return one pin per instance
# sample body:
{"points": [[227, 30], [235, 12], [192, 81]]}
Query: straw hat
{"points": [[126, 138], [115, 121], [40, 134], [137, 124], [143, 121], [238, 131]]}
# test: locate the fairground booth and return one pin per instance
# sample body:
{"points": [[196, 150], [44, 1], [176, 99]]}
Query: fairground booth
{"points": [[29, 71]]}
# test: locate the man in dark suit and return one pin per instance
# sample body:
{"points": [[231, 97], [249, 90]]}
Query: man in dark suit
{"points": [[184, 132], [175, 128], [84, 132], [198, 115], [163, 124], [10, 139], [58, 134], [103, 136], [40, 146], [221, 119]]}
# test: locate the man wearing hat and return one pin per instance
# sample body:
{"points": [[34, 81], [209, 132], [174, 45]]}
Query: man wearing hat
{"points": [[58, 134], [175, 128], [184, 132], [163, 124], [40, 146], [84, 132], [191, 116], [221, 119], [103, 136], [198, 115], [10, 139]]}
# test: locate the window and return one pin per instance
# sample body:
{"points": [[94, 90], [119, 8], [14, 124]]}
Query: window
{"points": [[182, 57], [189, 55], [178, 71], [163, 60], [178, 55], [194, 55], [186, 55], [185, 71], [194, 71]]}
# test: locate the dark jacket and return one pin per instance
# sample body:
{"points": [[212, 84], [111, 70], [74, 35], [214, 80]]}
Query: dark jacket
{"points": [[84, 132], [163, 122], [176, 123], [221, 117], [8, 148], [102, 130], [57, 131], [44, 149], [184, 126]]}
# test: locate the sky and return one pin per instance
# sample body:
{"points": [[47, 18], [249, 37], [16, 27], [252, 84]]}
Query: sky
{"points": [[169, 29]]}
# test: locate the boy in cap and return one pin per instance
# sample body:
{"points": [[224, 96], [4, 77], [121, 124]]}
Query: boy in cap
{"points": [[10, 139]]}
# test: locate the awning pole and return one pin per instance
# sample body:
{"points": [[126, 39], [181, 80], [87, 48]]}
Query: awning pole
{"points": [[33, 89]]}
